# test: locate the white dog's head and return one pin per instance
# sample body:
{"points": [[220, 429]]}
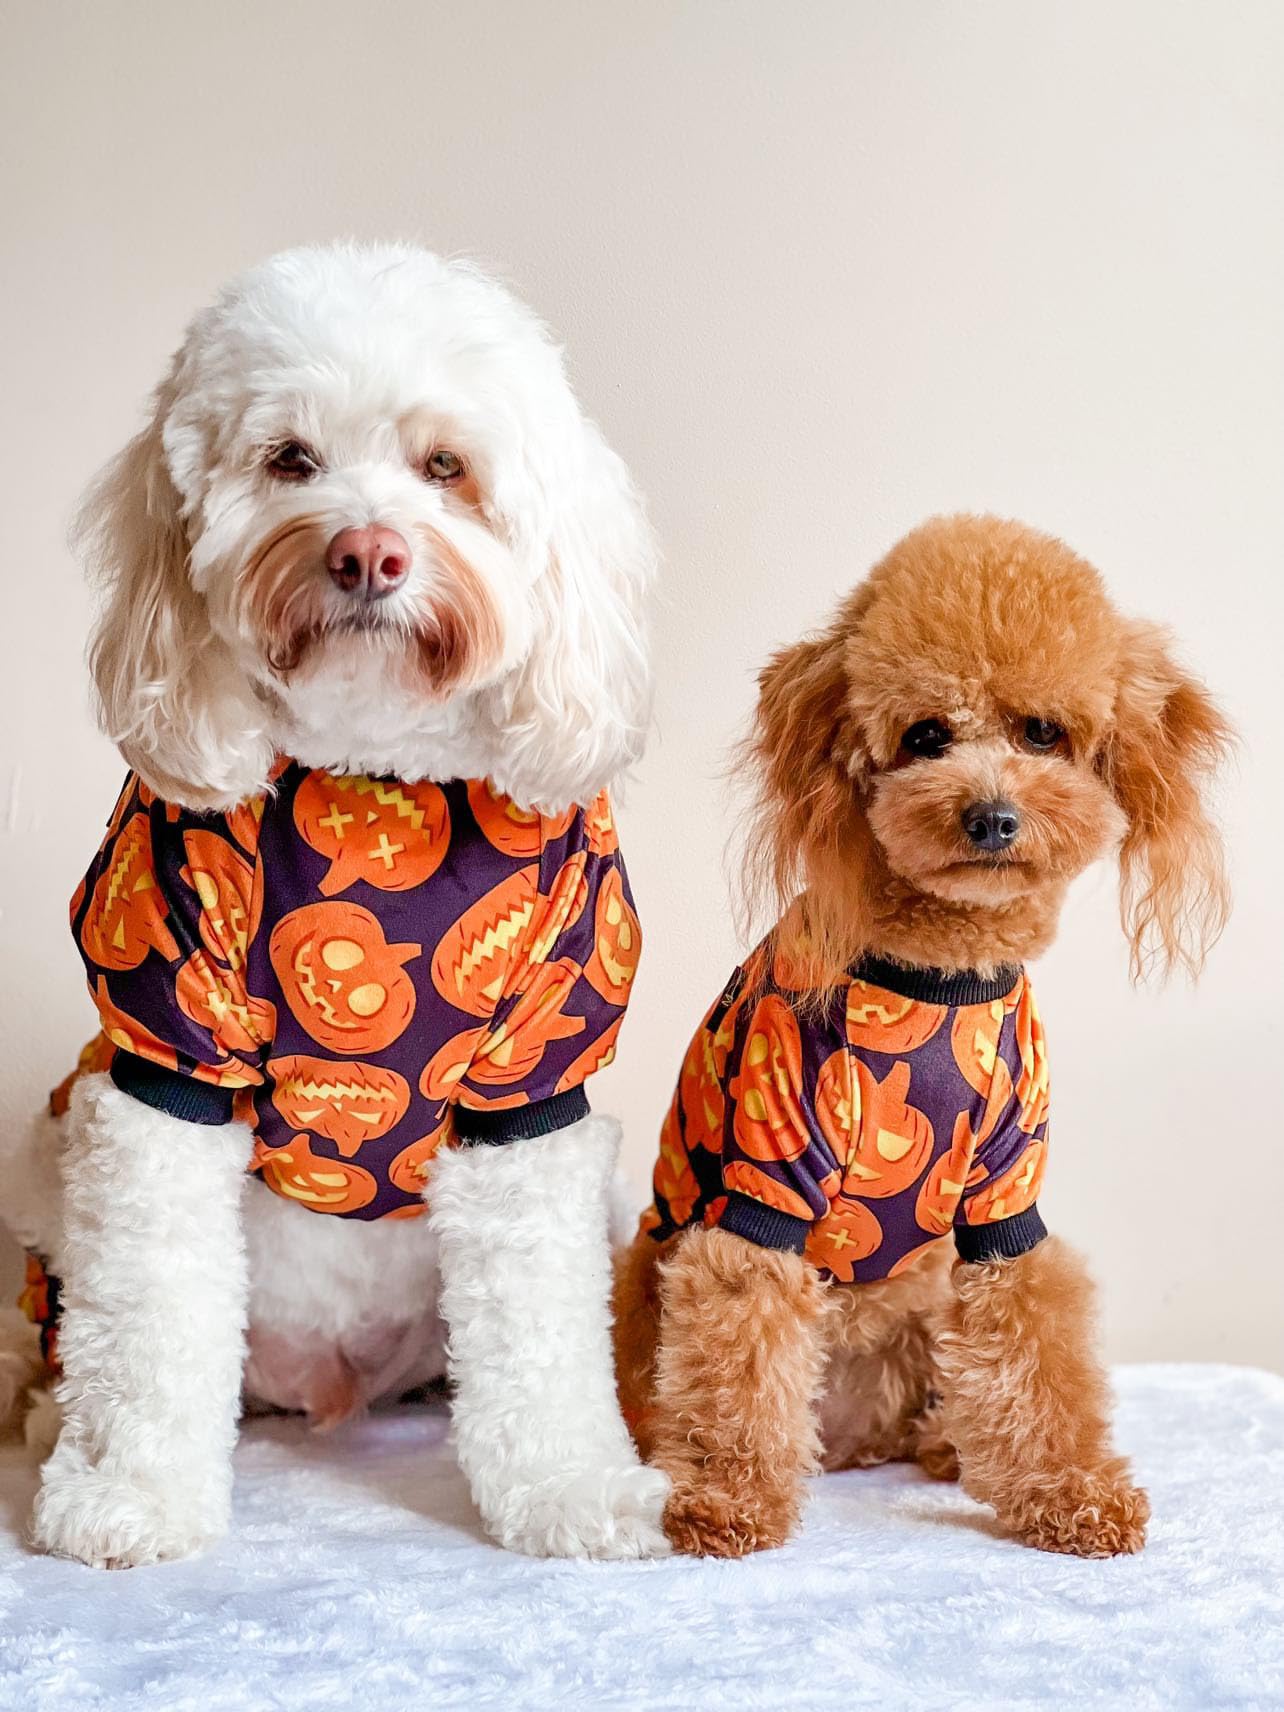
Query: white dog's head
{"points": [[368, 526]]}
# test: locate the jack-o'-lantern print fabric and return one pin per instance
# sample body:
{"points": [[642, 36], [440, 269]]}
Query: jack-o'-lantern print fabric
{"points": [[884, 1119], [357, 958]]}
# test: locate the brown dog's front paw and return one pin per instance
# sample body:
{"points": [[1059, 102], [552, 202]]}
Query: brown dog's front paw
{"points": [[1092, 1518], [702, 1525]]}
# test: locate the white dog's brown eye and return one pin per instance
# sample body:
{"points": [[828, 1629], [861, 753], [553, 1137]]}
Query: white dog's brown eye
{"points": [[444, 466], [926, 739], [293, 462], [1043, 734]]}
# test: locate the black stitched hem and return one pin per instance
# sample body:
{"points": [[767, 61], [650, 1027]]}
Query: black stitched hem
{"points": [[768, 1227], [168, 1091], [1003, 1240], [520, 1123], [937, 986]]}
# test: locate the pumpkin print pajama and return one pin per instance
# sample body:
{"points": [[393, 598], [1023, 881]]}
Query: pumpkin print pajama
{"points": [[861, 1129], [363, 970]]}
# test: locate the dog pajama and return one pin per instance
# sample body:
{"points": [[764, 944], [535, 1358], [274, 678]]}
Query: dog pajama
{"points": [[861, 1127]]}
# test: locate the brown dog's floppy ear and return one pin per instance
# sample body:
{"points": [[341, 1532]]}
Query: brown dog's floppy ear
{"points": [[1167, 739]]}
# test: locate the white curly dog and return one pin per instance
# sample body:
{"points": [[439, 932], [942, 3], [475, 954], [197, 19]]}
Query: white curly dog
{"points": [[413, 407]]}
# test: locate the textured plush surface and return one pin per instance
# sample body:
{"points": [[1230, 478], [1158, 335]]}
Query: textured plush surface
{"points": [[355, 1577]]}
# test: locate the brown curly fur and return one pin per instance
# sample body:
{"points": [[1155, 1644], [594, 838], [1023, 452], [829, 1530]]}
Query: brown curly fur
{"points": [[741, 1372]]}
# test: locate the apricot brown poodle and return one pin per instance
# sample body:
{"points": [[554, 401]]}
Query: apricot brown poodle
{"points": [[976, 725]]}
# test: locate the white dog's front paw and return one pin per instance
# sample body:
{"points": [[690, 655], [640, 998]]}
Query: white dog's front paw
{"points": [[600, 1512], [113, 1521]]}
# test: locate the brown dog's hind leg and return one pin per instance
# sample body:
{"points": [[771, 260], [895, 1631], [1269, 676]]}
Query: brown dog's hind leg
{"points": [[740, 1366], [636, 1328], [1027, 1404]]}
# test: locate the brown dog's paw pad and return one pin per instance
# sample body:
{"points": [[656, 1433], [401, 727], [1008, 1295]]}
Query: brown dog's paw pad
{"points": [[1091, 1521]]}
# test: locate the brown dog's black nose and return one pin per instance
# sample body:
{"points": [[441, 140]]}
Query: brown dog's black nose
{"points": [[991, 825]]}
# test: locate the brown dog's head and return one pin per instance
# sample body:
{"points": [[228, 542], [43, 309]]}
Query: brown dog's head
{"points": [[975, 727]]}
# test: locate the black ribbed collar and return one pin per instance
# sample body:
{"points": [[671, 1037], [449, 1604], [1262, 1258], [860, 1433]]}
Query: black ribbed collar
{"points": [[937, 986]]}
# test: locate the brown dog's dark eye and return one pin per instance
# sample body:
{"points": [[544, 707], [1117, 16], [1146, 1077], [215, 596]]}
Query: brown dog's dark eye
{"points": [[927, 739], [1043, 734], [293, 462], [444, 466]]}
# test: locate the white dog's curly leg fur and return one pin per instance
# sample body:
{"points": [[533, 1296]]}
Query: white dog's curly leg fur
{"points": [[152, 1335], [525, 1268]]}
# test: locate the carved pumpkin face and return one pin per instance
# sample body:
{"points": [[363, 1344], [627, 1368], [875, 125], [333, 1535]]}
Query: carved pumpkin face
{"points": [[1032, 1083], [974, 1040], [1012, 1192], [746, 1178], [325, 1185], [471, 963], [349, 1104], [206, 993], [887, 1022], [617, 942], [442, 1073], [838, 1104], [849, 1232], [938, 1199], [409, 1170], [511, 1050], [126, 915], [343, 981], [599, 823], [224, 882], [593, 1058], [769, 1122], [389, 834], [894, 1141], [519, 832], [674, 1179]]}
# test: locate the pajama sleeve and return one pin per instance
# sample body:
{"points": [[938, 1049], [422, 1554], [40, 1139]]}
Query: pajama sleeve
{"points": [[163, 922], [567, 987], [778, 1167], [998, 1214]]}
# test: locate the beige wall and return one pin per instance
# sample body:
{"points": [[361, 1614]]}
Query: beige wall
{"points": [[821, 269]]}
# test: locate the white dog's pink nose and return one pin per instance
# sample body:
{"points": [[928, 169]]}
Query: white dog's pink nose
{"points": [[368, 562]]}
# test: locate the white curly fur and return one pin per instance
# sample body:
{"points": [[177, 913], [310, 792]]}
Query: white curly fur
{"points": [[369, 354]]}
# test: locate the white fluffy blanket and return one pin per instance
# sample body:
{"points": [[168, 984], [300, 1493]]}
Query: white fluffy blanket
{"points": [[355, 1577]]}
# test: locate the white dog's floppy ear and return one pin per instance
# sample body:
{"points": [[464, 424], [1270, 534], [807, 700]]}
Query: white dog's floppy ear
{"points": [[574, 715], [170, 696]]}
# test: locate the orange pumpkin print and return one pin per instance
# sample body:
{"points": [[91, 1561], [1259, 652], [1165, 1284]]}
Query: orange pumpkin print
{"points": [[325, 1185], [409, 1170], [391, 835], [347, 1103], [599, 824], [512, 1049], [913, 1257], [218, 1002], [894, 1141], [561, 909], [769, 1122], [473, 957], [674, 1178], [520, 832], [596, 1056], [342, 980], [617, 942], [938, 1199], [244, 823], [1012, 1192], [130, 1035], [974, 1041], [741, 1176], [224, 882], [888, 1022], [838, 1103], [443, 1072], [126, 915], [1032, 1083], [849, 1232]]}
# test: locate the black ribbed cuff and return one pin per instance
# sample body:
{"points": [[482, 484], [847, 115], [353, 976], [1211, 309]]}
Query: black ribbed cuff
{"points": [[1003, 1240], [520, 1123], [169, 1091], [768, 1227]]}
